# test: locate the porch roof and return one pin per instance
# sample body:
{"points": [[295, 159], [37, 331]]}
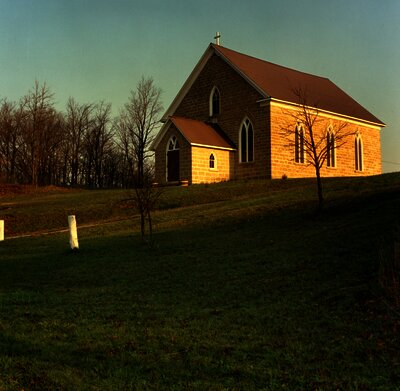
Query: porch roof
{"points": [[201, 134]]}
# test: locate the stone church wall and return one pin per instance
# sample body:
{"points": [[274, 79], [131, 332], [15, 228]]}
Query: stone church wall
{"points": [[282, 148], [201, 171]]}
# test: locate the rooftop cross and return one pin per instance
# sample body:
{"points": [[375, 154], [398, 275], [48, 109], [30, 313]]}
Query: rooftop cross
{"points": [[217, 38]]}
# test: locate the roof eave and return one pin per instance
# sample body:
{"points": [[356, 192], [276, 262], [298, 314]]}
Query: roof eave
{"points": [[326, 112], [212, 146], [241, 73], [188, 83]]}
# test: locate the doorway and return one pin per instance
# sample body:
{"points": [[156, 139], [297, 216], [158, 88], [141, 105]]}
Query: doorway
{"points": [[173, 160]]}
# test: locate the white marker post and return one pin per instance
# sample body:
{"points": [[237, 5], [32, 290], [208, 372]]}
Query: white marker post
{"points": [[1, 230], [73, 233]]}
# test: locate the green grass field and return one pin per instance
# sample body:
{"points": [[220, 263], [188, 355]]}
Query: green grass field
{"points": [[244, 288]]}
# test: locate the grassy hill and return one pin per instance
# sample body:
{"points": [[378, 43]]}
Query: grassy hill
{"points": [[244, 288]]}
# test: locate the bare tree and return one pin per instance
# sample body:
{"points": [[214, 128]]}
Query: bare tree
{"points": [[51, 138], [41, 146], [313, 146], [38, 129], [11, 118], [135, 129], [30, 138], [78, 120], [145, 199], [125, 146], [98, 143], [138, 120]]}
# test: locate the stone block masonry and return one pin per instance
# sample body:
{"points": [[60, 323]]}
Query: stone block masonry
{"points": [[201, 170], [282, 147]]}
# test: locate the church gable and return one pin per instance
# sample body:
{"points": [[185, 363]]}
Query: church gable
{"points": [[236, 96], [238, 101]]}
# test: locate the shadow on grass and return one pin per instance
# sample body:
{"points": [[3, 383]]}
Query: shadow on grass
{"points": [[273, 300], [12, 347]]}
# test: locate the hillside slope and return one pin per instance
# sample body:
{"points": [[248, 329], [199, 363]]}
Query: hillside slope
{"points": [[243, 288]]}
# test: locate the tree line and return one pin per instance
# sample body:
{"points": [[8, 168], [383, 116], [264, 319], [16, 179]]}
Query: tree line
{"points": [[82, 146]]}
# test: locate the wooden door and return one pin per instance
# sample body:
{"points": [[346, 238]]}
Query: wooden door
{"points": [[173, 166]]}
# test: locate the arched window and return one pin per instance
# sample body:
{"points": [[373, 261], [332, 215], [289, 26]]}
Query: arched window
{"points": [[330, 149], [246, 142], [213, 162], [299, 151], [358, 152], [215, 102]]}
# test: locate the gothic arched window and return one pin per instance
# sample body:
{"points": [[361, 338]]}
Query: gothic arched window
{"points": [[330, 149], [213, 162], [215, 102], [246, 142], [299, 152], [358, 152]]}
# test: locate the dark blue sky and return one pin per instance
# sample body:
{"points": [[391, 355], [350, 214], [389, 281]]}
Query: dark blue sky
{"points": [[98, 49]]}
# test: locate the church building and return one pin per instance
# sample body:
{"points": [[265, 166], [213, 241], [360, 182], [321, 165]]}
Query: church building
{"points": [[232, 120]]}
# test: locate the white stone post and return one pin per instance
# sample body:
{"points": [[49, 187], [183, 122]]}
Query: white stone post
{"points": [[1, 230], [73, 233]]}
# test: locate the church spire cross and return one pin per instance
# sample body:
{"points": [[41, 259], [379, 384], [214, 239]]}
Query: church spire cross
{"points": [[217, 38]]}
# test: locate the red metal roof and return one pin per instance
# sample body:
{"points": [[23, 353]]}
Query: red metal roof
{"points": [[200, 133], [281, 83]]}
